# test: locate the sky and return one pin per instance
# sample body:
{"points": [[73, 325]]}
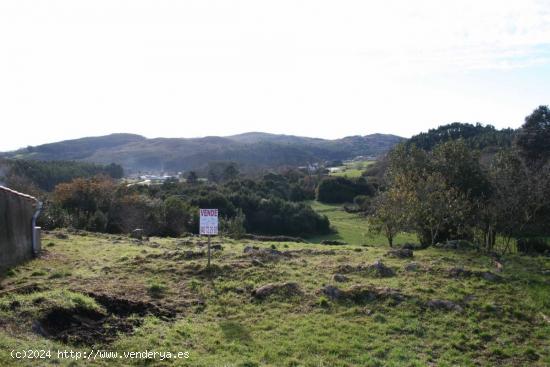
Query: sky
{"points": [[318, 68]]}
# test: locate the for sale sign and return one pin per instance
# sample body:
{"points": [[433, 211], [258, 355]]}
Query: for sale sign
{"points": [[208, 221]]}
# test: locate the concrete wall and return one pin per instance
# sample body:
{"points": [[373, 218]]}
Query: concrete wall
{"points": [[16, 211]]}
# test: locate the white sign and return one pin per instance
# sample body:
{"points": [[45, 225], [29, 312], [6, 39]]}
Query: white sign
{"points": [[208, 221]]}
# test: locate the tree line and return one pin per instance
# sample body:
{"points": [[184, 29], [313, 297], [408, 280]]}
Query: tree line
{"points": [[453, 190]]}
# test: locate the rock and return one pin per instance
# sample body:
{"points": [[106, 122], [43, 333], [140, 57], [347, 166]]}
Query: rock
{"points": [[439, 304], [333, 243], [61, 236], [216, 247], [410, 246], [287, 289], [380, 270], [340, 278], [361, 293], [412, 266], [401, 253], [137, 234]]}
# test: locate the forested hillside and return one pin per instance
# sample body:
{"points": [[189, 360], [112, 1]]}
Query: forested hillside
{"points": [[252, 150]]}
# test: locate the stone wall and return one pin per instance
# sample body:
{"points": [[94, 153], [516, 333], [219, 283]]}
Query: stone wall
{"points": [[16, 212]]}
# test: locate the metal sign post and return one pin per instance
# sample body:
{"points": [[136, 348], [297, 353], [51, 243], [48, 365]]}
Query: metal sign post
{"points": [[208, 225]]}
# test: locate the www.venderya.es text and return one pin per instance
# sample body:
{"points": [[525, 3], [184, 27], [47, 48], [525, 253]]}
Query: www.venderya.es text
{"points": [[96, 354]]}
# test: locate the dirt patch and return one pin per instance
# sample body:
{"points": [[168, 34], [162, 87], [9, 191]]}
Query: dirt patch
{"points": [[124, 307], [84, 326]]}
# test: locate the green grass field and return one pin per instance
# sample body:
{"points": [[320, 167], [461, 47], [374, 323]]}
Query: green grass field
{"points": [[352, 228], [352, 169], [90, 291]]}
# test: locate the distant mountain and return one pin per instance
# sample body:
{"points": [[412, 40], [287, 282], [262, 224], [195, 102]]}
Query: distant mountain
{"points": [[254, 149]]}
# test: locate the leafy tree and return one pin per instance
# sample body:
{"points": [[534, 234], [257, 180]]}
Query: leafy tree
{"points": [[533, 138], [390, 214]]}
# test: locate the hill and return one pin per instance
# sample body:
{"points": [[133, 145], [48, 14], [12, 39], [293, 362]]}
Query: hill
{"points": [[137, 153]]}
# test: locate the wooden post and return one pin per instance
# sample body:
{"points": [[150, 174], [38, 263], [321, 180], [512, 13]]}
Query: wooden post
{"points": [[209, 251]]}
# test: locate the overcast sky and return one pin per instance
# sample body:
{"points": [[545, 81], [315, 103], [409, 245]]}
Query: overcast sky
{"points": [[315, 68]]}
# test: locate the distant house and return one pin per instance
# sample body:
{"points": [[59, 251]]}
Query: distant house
{"points": [[19, 236]]}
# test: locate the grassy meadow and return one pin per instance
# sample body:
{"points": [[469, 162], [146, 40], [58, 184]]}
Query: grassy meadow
{"points": [[352, 169], [130, 295]]}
